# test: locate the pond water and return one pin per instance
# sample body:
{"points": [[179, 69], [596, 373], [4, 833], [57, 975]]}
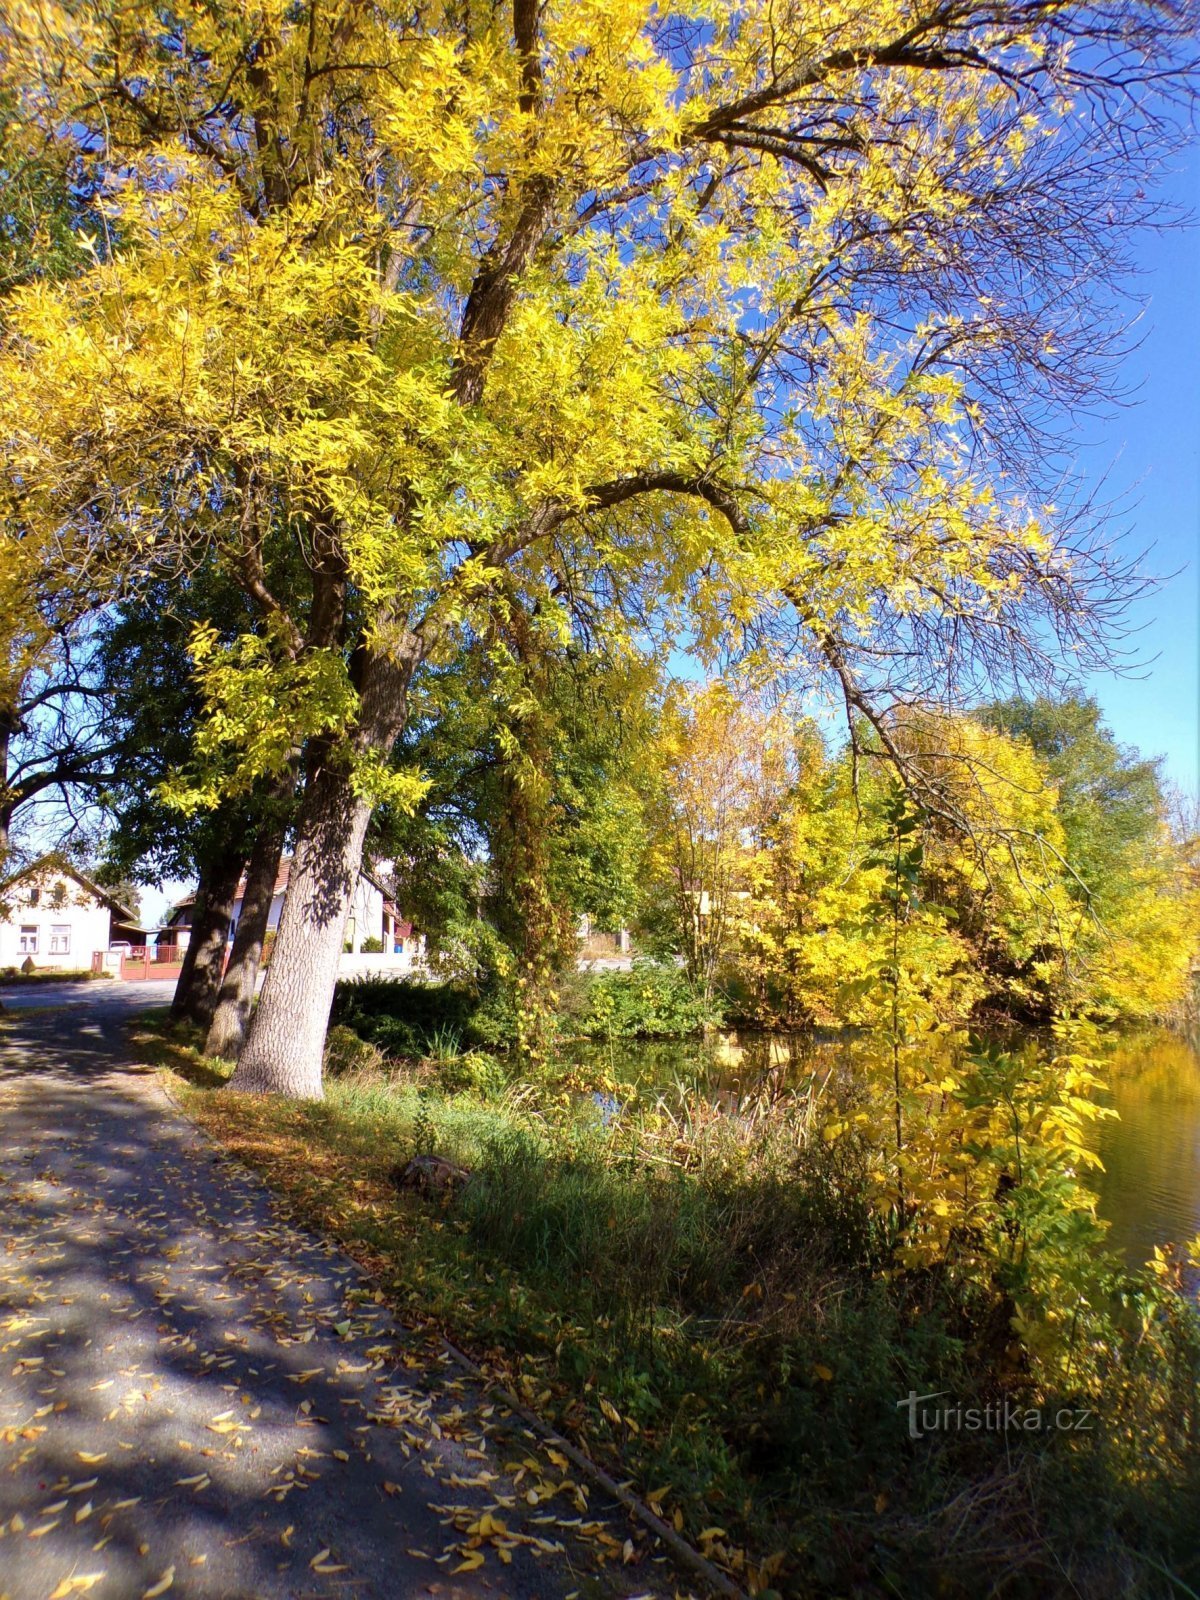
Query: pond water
{"points": [[1150, 1187], [1149, 1190]]}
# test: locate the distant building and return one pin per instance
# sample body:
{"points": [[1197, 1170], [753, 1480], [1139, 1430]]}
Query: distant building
{"points": [[378, 938], [55, 917], [177, 929]]}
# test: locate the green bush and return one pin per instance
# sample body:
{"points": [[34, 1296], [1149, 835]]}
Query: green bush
{"points": [[406, 1017], [346, 1052], [411, 1020], [652, 1001], [31, 974], [475, 1072]]}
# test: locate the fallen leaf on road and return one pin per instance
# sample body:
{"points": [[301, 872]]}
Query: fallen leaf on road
{"points": [[161, 1587], [80, 1583]]}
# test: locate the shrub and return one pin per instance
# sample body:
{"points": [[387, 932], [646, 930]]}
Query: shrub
{"points": [[407, 1017], [345, 1052], [476, 1072], [652, 1001]]}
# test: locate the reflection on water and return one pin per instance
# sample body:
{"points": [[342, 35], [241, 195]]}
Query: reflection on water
{"points": [[1149, 1190], [1150, 1187]]}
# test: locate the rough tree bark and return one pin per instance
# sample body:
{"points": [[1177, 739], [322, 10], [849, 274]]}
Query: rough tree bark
{"points": [[284, 1048], [231, 1018], [195, 997]]}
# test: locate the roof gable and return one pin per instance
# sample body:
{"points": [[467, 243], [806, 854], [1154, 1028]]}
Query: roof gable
{"points": [[53, 862]]}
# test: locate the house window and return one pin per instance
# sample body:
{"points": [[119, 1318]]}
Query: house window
{"points": [[34, 896], [29, 936], [60, 939]]}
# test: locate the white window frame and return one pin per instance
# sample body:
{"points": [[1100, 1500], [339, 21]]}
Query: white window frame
{"points": [[60, 939], [29, 939]]}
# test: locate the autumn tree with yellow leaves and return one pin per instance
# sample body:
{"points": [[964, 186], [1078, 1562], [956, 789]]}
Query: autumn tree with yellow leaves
{"points": [[745, 320], [1044, 884]]}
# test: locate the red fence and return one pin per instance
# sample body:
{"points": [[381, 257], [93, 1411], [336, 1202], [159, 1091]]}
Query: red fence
{"points": [[160, 965]]}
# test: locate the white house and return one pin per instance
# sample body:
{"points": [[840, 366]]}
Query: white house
{"points": [[54, 917], [374, 922]]}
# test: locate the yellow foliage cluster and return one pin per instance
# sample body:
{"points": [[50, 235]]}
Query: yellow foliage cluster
{"points": [[782, 867], [418, 300]]}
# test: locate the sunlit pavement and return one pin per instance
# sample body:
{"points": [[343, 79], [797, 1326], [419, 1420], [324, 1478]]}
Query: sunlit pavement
{"points": [[198, 1398]]}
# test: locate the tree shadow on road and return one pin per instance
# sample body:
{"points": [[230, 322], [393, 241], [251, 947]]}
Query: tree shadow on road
{"points": [[191, 1386]]}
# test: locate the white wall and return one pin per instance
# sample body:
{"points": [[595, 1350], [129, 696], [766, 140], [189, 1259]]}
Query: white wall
{"points": [[366, 914], [86, 918], [361, 964]]}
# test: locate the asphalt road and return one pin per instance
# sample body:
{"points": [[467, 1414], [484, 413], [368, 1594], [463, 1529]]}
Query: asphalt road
{"points": [[199, 1399]]}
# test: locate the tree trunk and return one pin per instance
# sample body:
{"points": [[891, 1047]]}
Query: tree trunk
{"points": [[9, 722], [200, 976], [284, 1049], [236, 997]]}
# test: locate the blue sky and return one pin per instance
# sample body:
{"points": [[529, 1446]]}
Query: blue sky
{"points": [[1151, 449]]}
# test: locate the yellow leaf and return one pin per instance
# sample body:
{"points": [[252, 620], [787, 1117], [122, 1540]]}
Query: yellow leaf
{"points": [[161, 1587], [470, 1561]]}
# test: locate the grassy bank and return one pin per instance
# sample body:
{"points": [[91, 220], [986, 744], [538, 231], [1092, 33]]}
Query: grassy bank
{"points": [[708, 1301]]}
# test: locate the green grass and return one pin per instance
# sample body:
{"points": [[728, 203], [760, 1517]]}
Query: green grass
{"points": [[703, 1301]]}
